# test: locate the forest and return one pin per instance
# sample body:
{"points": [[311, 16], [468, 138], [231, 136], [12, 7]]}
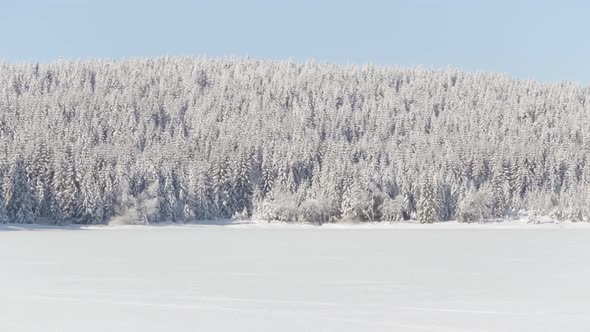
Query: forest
{"points": [[183, 139]]}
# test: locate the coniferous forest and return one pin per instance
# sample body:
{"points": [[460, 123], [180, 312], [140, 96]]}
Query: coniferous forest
{"points": [[187, 139]]}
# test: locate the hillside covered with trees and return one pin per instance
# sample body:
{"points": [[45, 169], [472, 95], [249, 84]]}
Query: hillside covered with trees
{"points": [[187, 139]]}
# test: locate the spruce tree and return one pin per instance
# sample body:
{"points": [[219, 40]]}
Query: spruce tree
{"points": [[427, 207], [20, 200]]}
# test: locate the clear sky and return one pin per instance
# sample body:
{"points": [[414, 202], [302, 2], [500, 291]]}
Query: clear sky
{"points": [[545, 40]]}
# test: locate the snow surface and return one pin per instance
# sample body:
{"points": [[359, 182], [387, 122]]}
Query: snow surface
{"points": [[253, 277]]}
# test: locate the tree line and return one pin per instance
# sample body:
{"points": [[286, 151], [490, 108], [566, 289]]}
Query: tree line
{"points": [[180, 139]]}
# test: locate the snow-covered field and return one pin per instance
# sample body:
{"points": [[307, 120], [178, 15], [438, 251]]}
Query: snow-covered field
{"points": [[448, 277]]}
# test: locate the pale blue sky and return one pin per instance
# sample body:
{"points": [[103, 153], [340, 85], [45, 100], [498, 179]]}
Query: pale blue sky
{"points": [[545, 40]]}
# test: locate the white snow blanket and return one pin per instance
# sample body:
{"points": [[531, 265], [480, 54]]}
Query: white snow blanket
{"points": [[447, 277]]}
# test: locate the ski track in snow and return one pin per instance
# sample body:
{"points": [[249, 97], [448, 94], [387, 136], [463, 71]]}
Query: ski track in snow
{"points": [[273, 277]]}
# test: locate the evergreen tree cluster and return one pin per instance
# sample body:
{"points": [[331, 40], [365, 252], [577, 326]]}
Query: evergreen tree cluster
{"points": [[184, 139]]}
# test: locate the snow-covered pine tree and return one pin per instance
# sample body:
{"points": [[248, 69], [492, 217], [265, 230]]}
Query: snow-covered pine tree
{"points": [[222, 187], [203, 199], [90, 200], [427, 209], [243, 185], [20, 199], [42, 179], [268, 177], [185, 197], [500, 189], [169, 209], [66, 186], [3, 213]]}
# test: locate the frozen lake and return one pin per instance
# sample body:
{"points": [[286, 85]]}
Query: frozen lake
{"points": [[296, 278]]}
